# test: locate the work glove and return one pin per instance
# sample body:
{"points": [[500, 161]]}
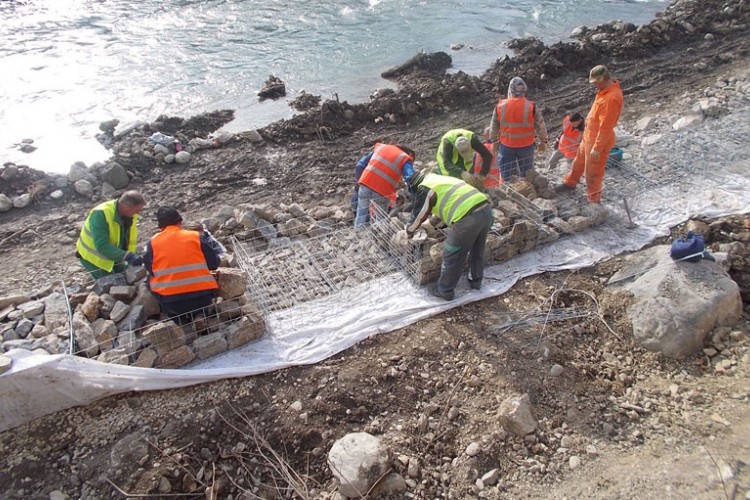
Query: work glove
{"points": [[133, 259]]}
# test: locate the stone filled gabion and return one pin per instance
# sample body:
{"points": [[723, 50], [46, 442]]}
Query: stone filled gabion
{"points": [[117, 320]]}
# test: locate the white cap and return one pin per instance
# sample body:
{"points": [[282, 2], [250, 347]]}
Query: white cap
{"points": [[463, 145]]}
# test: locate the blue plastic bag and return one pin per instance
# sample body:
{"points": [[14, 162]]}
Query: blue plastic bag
{"points": [[690, 248]]}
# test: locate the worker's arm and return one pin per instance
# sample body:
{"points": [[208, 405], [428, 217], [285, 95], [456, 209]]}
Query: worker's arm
{"points": [[495, 131], [361, 164], [608, 117], [454, 169], [100, 234], [540, 126], [209, 253], [408, 170], [478, 146], [424, 201], [148, 259]]}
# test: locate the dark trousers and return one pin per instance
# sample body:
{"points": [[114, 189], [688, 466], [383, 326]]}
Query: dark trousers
{"points": [[466, 237]]}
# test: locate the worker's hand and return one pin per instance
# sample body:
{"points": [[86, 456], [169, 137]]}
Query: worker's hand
{"points": [[133, 259], [474, 180], [541, 147], [495, 148], [595, 155]]}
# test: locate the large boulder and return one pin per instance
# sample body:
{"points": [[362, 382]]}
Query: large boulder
{"points": [[116, 175], [677, 303]]}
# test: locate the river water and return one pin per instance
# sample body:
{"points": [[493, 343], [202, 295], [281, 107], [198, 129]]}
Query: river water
{"points": [[68, 65]]}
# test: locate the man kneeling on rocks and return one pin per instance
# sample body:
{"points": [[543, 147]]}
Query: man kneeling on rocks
{"points": [[109, 236], [179, 265], [467, 213]]}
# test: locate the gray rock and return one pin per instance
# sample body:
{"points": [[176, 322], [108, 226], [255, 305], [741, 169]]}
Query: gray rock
{"points": [[556, 370], [31, 309], [9, 172], [146, 299], [129, 341], [515, 415], [84, 336], [102, 285], [210, 345], [357, 461], [116, 175], [134, 320], [105, 332], [254, 136], [176, 358], [161, 149], [652, 139], [114, 356], [645, 124], [119, 311], [146, 359], [164, 337], [244, 330], [677, 303], [267, 230], [55, 311], [22, 201], [78, 171], [108, 190], [182, 157], [119, 292], [84, 188], [56, 194], [38, 332], [5, 363], [13, 300], [5, 203], [232, 282], [685, 122], [24, 327]]}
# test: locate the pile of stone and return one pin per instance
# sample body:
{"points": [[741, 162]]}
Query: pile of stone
{"points": [[117, 320]]}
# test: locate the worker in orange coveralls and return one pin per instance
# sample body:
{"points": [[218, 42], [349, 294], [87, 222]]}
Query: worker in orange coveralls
{"points": [[598, 135]]}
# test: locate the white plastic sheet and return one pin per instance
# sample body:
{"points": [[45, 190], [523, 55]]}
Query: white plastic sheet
{"points": [[37, 385]]}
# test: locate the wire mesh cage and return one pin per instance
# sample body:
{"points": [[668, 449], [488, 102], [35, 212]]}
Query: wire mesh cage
{"points": [[116, 319]]}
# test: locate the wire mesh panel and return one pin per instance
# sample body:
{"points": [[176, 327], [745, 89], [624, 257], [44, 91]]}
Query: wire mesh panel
{"points": [[293, 272]]}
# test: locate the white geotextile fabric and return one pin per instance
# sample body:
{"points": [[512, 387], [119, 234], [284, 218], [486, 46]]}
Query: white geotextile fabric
{"points": [[37, 385]]}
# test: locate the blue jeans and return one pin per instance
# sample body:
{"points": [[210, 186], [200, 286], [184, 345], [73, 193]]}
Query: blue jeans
{"points": [[367, 195], [512, 157]]}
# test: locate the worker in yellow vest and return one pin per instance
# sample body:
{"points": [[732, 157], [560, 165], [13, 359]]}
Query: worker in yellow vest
{"points": [[107, 243], [467, 213]]}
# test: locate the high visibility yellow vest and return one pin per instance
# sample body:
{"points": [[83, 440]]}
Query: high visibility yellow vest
{"points": [[85, 244], [452, 135], [454, 197]]}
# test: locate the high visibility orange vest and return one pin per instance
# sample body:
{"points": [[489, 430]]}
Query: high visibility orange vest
{"points": [[570, 139], [179, 265], [515, 116], [385, 169], [493, 176]]}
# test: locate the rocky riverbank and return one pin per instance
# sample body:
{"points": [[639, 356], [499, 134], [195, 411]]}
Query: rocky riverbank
{"points": [[601, 403]]}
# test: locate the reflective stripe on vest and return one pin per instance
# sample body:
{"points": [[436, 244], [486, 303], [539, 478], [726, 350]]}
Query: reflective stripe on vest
{"points": [[454, 197], [385, 169], [569, 140], [86, 246], [515, 117], [179, 265], [452, 136]]}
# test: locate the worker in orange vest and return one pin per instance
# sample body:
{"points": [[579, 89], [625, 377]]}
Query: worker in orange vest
{"points": [[598, 136], [516, 123], [179, 265], [385, 166], [569, 140], [492, 180]]}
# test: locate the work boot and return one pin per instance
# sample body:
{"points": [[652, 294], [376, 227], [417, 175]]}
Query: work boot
{"points": [[475, 284], [437, 293], [563, 188]]}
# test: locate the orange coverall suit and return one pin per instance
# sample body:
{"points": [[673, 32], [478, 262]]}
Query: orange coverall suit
{"points": [[598, 135]]}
